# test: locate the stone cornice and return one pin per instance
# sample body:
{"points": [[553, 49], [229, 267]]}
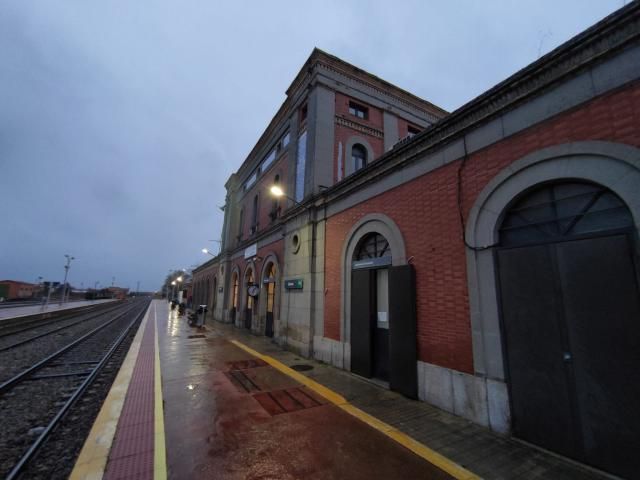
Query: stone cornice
{"points": [[605, 38], [340, 120]]}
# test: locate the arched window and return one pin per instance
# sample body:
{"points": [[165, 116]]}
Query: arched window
{"points": [[372, 245], [234, 297], [249, 282], [568, 209], [270, 280], [215, 291], [358, 157]]}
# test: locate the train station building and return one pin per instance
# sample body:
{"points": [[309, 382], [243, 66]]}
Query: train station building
{"points": [[484, 260]]}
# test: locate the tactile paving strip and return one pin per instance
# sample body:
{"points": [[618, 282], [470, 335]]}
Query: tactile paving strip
{"points": [[246, 364], [242, 381], [288, 400]]}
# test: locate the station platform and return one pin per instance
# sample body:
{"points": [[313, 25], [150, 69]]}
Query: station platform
{"points": [[221, 403], [27, 310]]}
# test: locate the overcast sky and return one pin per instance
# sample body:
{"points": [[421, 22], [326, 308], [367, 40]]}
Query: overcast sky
{"points": [[120, 121]]}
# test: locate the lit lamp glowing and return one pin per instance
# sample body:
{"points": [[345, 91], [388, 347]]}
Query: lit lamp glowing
{"points": [[277, 192], [204, 250]]}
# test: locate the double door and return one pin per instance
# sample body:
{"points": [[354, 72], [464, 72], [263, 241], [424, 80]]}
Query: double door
{"points": [[571, 330], [383, 326]]}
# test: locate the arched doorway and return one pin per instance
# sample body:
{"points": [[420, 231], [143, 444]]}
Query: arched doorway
{"points": [[370, 294], [215, 295], [234, 295], [249, 298], [270, 297], [570, 315]]}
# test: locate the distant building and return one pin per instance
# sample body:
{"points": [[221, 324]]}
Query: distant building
{"points": [[116, 292], [12, 289], [488, 265]]}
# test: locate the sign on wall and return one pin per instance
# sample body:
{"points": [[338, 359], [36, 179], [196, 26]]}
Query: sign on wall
{"points": [[293, 284], [251, 251]]}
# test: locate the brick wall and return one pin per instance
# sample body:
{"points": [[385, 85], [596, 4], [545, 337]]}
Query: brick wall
{"points": [[265, 200], [426, 212], [343, 133]]}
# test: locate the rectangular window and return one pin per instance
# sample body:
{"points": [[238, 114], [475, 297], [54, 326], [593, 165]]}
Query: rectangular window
{"points": [[241, 224], [268, 160], [358, 110], [251, 180], [300, 166], [285, 139], [254, 220]]}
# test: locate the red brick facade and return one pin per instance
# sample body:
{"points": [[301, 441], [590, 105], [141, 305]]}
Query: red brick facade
{"points": [[265, 200], [426, 209]]}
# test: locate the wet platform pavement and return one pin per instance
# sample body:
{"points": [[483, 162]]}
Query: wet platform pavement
{"points": [[229, 415], [233, 409]]}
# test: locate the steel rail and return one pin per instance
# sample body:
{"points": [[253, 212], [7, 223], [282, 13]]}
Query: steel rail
{"points": [[15, 471], [30, 339], [6, 385], [56, 316]]}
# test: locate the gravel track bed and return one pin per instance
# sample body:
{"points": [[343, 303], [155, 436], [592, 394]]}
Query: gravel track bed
{"points": [[32, 404], [10, 328], [18, 359]]}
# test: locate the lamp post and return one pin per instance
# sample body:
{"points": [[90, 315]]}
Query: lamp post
{"points": [[277, 192], [204, 250], [173, 289], [66, 272], [178, 280]]}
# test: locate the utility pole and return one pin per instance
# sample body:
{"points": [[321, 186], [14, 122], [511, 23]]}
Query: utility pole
{"points": [[66, 272], [138, 288]]}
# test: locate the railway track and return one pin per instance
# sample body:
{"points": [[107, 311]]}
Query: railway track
{"points": [[12, 324], [19, 334], [43, 395]]}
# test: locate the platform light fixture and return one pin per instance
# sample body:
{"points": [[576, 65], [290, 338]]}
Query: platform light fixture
{"points": [[277, 192]]}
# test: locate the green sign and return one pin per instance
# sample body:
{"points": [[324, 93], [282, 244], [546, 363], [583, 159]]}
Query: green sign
{"points": [[293, 284]]}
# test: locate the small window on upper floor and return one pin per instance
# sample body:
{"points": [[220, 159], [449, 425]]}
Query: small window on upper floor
{"points": [[358, 110], [358, 157], [303, 114], [411, 130], [275, 205], [254, 218]]}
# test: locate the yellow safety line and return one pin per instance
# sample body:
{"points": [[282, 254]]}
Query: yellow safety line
{"points": [[159, 451], [431, 456], [94, 454]]}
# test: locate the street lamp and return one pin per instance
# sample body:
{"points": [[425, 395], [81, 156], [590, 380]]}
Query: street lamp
{"points": [[277, 192], [66, 272], [173, 289], [204, 250]]}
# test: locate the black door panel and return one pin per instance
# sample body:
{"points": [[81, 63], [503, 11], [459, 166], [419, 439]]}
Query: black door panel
{"points": [[542, 411], [403, 354], [362, 297], [602, 312]]}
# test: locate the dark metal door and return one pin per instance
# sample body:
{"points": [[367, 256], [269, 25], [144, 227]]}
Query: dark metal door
{"points": [[403, 355], [247, 318], [268, 329], [362, 296], [541, 400], [571, 318], [602, 313]]}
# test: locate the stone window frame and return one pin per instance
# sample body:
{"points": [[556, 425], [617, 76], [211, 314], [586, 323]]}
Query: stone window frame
{"points": [[349, 167]]}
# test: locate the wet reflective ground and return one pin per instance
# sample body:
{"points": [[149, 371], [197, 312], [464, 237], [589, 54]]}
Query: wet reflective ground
{"points": [[229, 416]]}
